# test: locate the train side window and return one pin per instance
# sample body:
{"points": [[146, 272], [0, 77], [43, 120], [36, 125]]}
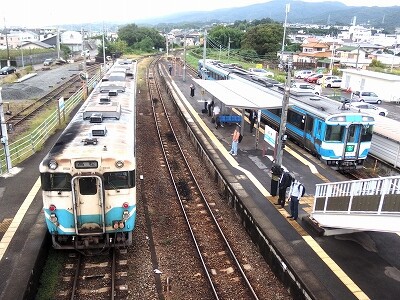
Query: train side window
{"points": [[87, 186], [334, 133], [56, 181], [295, 119], [119, 180]]}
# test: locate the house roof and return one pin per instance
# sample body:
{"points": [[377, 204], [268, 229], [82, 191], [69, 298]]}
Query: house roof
{"points": [[315, 45], [316, 54], [346, 48], [37, 43]]}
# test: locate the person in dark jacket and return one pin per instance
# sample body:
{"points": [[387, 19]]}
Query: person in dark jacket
{"points": [[192, 88], [284, 182]]}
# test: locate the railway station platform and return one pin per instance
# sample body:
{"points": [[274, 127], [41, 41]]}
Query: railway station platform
{"points": [[345, 265]]}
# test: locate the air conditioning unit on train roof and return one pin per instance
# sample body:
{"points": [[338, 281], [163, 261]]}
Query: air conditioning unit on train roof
{"points": [[96, 118], [104, 99], [99, 130]]}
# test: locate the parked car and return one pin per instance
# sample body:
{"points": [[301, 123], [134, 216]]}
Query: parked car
{"points": [[333, 83], [365, 96], [299, 88], [302, 73], [48, 62], [8, 70], [326, 79], [313, 79], [309, 75], [261, 72], [369, 108]]}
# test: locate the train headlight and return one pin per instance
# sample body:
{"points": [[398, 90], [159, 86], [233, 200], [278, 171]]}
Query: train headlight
{"points": [[115, 224], [53, 164], [119, 163], [121, 225]]}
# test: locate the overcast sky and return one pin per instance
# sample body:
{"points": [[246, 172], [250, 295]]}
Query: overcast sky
{"points": [[35, 13]]}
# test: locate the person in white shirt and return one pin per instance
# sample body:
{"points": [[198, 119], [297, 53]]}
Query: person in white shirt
{"points": [[295, 192], [216, 111]]}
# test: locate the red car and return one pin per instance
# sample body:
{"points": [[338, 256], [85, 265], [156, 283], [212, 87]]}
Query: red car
{"points": [[313, 79]]}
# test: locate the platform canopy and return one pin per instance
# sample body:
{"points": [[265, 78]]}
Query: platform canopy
{"points": [[234, 93]]}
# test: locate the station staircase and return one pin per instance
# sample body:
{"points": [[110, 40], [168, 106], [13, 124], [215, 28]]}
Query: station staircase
{"points": [[358, 205]]}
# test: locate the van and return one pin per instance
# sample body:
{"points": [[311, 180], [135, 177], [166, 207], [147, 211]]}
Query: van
{"points": [[299, 88], [365, 96], [303, 74]]}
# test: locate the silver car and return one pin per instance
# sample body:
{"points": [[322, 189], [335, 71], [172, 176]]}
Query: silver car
{"points": [[364, 96]]}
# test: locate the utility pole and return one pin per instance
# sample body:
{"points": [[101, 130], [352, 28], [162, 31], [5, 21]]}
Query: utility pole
{"points": [[229, 47], [358, 55], [184, 58], [285, 104], [8, 49], [104, 50], [287, 9], [85, 75], [4, 135]]}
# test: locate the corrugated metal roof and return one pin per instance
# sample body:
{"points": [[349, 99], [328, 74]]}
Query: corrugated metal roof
{"points": [[234, 93]]}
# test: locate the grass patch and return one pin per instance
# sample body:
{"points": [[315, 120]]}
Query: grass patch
{"points": [[50, 277]]}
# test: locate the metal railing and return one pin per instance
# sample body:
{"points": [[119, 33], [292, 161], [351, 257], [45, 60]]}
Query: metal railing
{"points": [[24, 147], [377, 196]]}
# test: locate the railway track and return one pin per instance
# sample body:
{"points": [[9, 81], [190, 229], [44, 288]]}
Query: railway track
{"points": [[102, 276], [65, 89], [225, 275]]}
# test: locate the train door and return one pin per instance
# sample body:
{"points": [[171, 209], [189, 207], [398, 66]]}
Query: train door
{"points": [[351, 145], [88, 205], [308, 139]]}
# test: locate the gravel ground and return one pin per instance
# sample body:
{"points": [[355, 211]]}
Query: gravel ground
{"points": [[37, 86]]}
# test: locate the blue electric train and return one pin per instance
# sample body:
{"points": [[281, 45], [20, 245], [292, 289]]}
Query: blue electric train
{"points": [[88, 178], [325, 127]]}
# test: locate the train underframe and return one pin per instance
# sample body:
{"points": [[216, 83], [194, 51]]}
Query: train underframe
{"points": [[85, 242]]}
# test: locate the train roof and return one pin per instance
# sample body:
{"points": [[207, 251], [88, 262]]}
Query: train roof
{"points": [[102, 127]]}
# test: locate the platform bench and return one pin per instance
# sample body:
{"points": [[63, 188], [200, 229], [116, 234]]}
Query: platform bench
{"points": [[230, 119]]}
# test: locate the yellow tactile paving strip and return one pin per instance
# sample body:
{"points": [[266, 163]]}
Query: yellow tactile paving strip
{"points": [[5, 241]]}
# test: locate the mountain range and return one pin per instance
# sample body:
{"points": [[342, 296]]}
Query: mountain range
{"points": [[324, 13]]}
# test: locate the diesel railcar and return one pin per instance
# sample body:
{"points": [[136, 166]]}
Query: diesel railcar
{"points": [[325, 127], [88, 178]]}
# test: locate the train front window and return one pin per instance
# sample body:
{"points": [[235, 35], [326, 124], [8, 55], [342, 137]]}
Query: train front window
{"points": [[88, 186], [366, 133], [334, 133], [119, 180], [56, 181], [351, 137]]}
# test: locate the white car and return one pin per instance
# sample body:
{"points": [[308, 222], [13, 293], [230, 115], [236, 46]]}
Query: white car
{"points": [[327, 79], [365, 96], [261, 72], [369, 108], [303, 74], [299, 88], [334, 83]]}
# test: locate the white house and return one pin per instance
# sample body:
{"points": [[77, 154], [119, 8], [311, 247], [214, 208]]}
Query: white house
{"points": [[386, 86], [72, 39]]}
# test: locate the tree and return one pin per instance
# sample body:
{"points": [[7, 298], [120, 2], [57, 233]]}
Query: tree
{"points": [[221, 35], [140, 37], [265, 39]]}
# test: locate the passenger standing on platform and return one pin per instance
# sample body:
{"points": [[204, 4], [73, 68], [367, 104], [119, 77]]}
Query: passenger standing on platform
{"points": [[210, 106], [235, 141], [295, 192], [216, 111], [284, 183], [252, 118], [192, 88]]}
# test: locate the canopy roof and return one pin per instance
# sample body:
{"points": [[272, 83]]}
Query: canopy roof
{"points": [[238, 94]]}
